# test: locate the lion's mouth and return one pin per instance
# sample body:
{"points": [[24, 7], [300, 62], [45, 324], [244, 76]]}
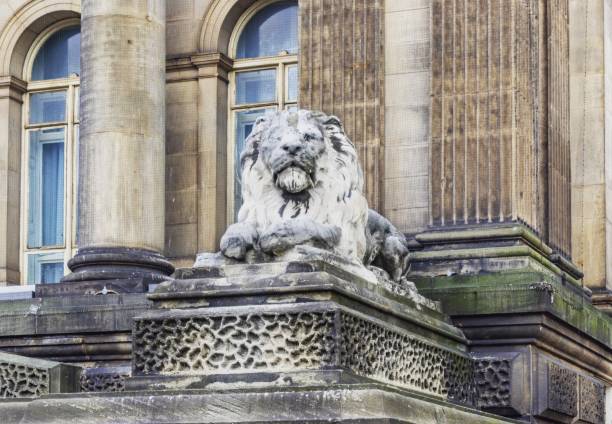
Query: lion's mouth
{"points": [[293, 179]]}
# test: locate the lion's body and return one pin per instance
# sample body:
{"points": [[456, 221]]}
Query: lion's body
{"points": [[302, 185]]}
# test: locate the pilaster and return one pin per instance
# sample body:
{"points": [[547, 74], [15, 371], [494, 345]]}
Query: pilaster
{"points": [[11, 93], [213, 78]]}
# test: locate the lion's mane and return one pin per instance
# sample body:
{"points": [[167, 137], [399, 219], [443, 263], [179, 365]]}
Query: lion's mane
{"points": [[336, 197]]}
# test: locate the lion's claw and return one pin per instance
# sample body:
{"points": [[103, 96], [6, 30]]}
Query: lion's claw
{"points": [[234, 247]]}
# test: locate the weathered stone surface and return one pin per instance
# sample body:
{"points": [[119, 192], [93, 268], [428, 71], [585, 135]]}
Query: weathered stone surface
{"points": [[22, 377], [592, 395], [302, 184], [367, 403], [493, 379], [272, 322], [76, 329], [557, 396], [104, 379]]}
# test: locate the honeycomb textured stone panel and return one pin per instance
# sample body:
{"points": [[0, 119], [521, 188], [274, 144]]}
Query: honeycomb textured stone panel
{"points": [[270, 341], [372, 350], [562, 390], [22, 381], [297, 341], [592, 401], [103, 381], [492, 377]]}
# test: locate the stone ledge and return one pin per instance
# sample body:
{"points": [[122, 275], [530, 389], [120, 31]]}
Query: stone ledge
{"points": [[367, 403]]}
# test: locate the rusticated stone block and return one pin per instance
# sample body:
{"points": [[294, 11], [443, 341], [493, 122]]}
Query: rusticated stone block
{"points": [[557, 392], [208, 342], [493, 382], [271, 342], [592, 401], [23, 377]]}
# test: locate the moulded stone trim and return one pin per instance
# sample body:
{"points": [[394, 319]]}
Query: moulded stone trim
{"points": [[21, 22]]}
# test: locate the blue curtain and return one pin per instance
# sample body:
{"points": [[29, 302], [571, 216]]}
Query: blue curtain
{"points": [[51, 272], [52, 194]]}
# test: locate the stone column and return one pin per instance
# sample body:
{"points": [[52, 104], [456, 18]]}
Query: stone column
{"points": [[121, 155]]}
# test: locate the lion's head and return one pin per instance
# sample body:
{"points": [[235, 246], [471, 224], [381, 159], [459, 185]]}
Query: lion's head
{"points": [[298, 151], [301, 164]]}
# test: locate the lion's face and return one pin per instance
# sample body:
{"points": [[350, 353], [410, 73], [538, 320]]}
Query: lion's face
{"points": [[300, 155], [291, 144]]}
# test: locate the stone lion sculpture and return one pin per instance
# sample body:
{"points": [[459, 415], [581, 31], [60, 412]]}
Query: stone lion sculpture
{"points": [[302, 184]]}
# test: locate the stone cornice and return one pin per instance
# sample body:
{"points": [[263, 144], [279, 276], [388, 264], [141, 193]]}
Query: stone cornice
{"points": [[201, 65], [12, 88]]}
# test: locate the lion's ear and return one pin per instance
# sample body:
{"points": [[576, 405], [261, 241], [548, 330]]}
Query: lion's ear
{"points": [[333, 120]]}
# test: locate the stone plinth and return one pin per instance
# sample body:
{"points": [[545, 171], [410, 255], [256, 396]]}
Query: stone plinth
{"points": [[304, 341], [292, 324], [543, 350]]}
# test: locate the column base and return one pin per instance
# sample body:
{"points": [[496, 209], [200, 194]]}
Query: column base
{"points": [[108, 270]]}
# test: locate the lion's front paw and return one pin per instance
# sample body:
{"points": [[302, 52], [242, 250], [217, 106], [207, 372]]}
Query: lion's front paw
{"points": [[234, 247], [277, 239]]}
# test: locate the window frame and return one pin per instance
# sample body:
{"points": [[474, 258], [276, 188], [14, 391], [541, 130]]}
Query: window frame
{"points": [[71, 85], [280, 63]]}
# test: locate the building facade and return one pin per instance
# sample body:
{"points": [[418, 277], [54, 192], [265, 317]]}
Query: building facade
{"points": [[484, 129], [404, 76]]}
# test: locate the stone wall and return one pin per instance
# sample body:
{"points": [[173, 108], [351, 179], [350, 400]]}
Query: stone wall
{"points": [[397, 154]]}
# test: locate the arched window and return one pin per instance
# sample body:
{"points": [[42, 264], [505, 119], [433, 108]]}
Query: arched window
{"points": [[50, 142], [265, 50]]}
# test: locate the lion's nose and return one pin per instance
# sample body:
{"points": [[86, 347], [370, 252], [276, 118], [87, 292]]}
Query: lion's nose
{"points": [[292, 148]]}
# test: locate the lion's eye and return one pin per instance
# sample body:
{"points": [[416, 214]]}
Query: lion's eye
{"points": [[309, 137]]}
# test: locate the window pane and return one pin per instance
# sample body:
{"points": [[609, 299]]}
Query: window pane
{"points": [[75, 172], [256, 86], [60, 56], [244, 125], [48, 107], [46, 196], [270, 32], [292, 83], [45, 268]]}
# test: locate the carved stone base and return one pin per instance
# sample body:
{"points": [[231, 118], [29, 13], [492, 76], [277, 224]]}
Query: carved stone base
{"points": [[296, 324], [110, 270]]}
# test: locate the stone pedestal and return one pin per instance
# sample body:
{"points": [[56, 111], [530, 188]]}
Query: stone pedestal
{"points": [[302, 341], [544, 352]]}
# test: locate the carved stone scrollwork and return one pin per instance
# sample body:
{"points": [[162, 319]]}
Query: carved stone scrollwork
{"points": [[592, 401], [21, 381], [492, 377]]}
